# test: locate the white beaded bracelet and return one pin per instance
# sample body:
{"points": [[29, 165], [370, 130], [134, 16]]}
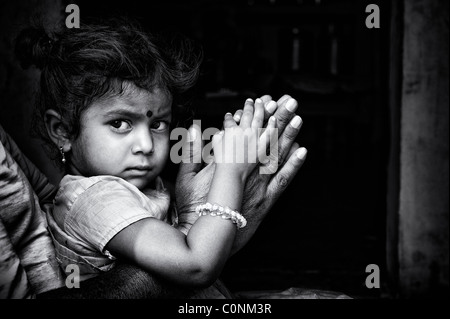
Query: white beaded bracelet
{"points": [[224, 212]]}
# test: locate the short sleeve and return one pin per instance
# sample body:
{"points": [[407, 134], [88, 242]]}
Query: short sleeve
{"points": [[103, 210]]}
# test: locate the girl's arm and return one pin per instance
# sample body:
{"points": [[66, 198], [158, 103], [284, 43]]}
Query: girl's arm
{"points": [[196, 259]]}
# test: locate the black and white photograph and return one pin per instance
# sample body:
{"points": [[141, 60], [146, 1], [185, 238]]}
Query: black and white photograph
{"points": [[241, 151]]}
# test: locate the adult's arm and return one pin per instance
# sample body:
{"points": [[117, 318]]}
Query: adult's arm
{"points": [[261, 190], [39, 182], [125, 281]]}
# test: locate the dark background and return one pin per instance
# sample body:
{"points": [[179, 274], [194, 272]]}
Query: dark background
{"points": [[330, 223]]}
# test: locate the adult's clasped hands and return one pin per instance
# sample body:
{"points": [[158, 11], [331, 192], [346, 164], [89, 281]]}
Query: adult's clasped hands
{"points": [[261, 190]]}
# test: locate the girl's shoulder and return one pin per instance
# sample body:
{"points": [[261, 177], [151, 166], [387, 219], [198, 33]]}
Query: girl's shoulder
{"points": [[108, 191], [74, 188], [82, 182]]}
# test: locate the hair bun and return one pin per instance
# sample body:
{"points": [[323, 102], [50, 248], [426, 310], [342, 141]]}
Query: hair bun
{"points": [[33, 47]]}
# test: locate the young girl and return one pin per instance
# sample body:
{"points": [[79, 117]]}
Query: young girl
{"points": [[106, 101]]}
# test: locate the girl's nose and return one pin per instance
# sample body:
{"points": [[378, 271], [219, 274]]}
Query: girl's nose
{"points": [[143, 142]]}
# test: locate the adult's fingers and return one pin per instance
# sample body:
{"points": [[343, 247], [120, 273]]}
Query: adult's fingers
{"points": [[285, 111], [266, 98], [287, 138], [284, 176], [293, 148], [269, 108], [283, 99]]}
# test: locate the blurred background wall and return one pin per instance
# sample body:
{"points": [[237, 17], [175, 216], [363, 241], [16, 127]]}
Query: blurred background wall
{"points": [[374, 189], [17, 86]]}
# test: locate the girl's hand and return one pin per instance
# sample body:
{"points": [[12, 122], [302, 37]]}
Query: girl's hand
{"points": [[237, 147], [270, 106]]}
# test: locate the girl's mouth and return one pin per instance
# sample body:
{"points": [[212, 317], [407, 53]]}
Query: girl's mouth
{"points": [[138, 170]]}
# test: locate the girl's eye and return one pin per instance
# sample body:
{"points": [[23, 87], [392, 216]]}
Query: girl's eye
{"points": [[160, 125], [120, 125]]}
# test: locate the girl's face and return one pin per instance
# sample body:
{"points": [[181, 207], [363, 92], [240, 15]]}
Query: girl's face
{"points": [[125, 136]]}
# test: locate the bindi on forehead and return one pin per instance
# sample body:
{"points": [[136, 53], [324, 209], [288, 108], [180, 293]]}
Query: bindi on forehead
{"points": [[149, 114]]}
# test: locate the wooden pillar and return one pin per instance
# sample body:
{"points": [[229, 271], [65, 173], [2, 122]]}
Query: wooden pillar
{"points": [[423, 167]]}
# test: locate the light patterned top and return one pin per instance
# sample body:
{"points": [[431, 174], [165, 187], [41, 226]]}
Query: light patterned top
{"points": [[89, 211]]}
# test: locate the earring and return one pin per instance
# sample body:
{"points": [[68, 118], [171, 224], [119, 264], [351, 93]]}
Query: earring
{"points": [[63, 157]]}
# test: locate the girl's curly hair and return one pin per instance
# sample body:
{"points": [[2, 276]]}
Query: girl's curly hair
{"points": [[82, 65]]}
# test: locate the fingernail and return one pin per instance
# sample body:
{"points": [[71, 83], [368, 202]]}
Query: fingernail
{"points": [[236, 117], [301, 153], [296, 121], [271, 106], [228, 114], [291, 105], [248, 100], [258, 100]]}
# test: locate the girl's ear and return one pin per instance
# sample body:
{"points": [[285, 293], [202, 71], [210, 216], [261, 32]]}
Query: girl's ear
{"points": [[56, 130]]}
